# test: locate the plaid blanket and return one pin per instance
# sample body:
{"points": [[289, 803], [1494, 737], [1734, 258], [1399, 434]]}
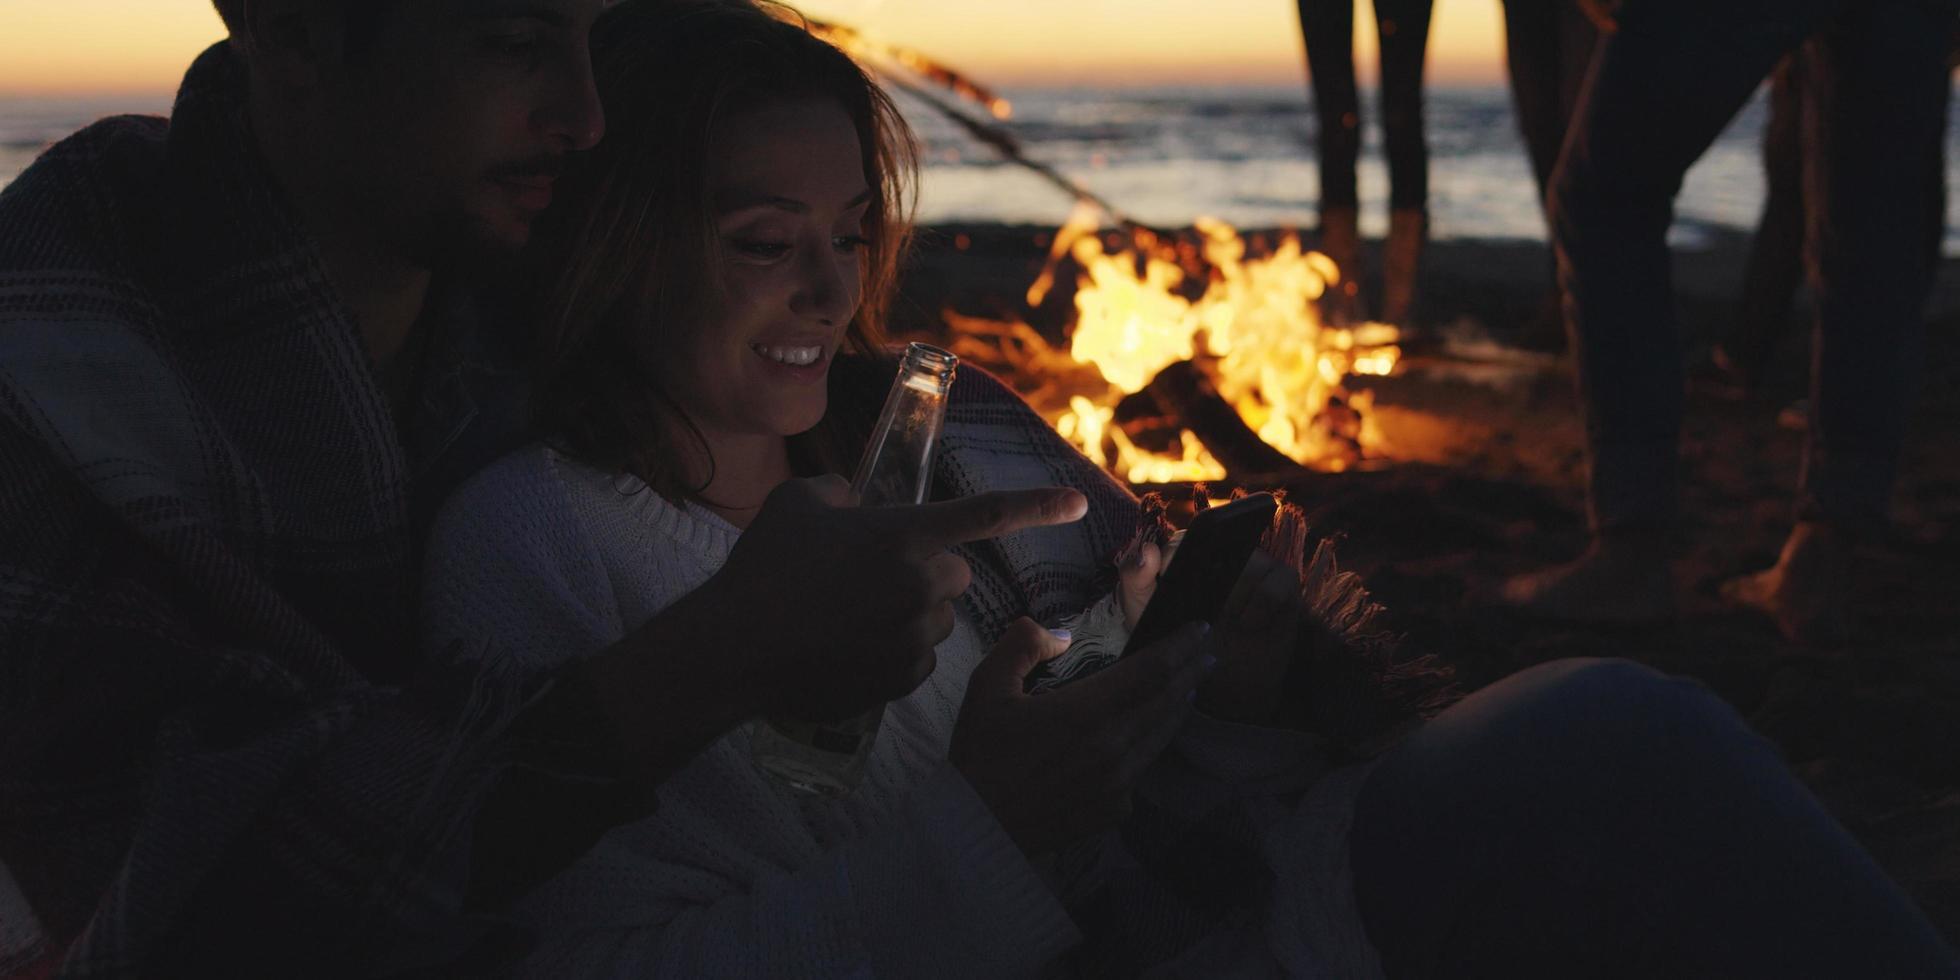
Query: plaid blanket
{"points": [[213, 751], [992, 441]]}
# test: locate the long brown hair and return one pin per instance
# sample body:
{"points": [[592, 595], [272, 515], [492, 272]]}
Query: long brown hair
{"points": [[630, 251]]}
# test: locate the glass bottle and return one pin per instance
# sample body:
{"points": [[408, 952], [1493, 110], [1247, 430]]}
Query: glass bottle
{"points": [[828, 758]]}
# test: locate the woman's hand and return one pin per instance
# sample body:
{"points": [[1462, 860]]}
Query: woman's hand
{"points": [[1060, 766], [1256, 634], [1256, 640], [1136, 580]]}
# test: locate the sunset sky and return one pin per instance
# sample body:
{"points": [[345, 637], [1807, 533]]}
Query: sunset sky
{"points": [[142, 46]]}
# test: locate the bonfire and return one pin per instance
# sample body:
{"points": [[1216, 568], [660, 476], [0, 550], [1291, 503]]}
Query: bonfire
{"points": [[1173, 332], [1163, 328]]}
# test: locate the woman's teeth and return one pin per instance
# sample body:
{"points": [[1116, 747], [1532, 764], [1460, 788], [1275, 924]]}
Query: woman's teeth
{"points": [[798, 356]]}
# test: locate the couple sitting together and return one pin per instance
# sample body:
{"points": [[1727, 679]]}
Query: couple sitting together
{"points": [[334, 642]]}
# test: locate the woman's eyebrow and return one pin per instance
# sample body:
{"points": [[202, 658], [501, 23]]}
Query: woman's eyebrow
{"points": [[730, 203]]}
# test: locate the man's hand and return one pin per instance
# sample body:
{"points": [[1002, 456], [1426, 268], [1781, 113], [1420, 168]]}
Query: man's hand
{"points": [[830, 608], [1059, 766]]}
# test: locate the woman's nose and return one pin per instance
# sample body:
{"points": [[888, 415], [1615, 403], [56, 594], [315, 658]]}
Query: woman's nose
{"points": [[828, 287]]}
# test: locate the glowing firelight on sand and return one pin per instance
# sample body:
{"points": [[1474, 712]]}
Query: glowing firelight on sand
{"points": [[1254, 329]]}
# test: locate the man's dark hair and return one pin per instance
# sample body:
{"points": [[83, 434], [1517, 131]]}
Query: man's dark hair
{"points": [[229, 11], [363, 18]]}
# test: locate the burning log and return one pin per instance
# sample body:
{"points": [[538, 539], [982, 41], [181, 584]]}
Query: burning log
{"points": [[1182, 396]]}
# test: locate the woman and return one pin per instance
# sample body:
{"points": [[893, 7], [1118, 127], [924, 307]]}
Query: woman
{"points": [[717, 263], [763, 175]]}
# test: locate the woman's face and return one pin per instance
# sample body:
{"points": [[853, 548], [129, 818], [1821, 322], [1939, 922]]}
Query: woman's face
{"points": [[788, 196]]}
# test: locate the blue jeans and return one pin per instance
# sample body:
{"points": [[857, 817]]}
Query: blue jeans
{"points": [[1595, 818], [1660, 90]]}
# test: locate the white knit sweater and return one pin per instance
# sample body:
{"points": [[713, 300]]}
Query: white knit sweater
{"points": [[541, 559]]}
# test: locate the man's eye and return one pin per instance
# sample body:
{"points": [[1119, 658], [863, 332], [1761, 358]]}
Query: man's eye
{"points": [[762, 250], [517, 46], [849, 243]]}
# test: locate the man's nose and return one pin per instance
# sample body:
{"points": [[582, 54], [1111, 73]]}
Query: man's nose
{"points": [[574, 115]]}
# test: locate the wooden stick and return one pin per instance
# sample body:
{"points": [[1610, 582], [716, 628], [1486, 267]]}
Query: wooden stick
{"points": [[1183, 392]]}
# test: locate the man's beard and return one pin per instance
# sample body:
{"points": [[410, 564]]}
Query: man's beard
{"points": [[453, 240]]}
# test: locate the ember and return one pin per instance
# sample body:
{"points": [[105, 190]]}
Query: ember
{"points": [[1253, 332]]}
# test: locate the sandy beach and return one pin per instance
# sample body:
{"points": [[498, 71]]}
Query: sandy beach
{"points": [[1486, 479]]}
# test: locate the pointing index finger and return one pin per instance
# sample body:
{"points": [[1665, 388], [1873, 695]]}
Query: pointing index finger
{"points": [[937, 526]]}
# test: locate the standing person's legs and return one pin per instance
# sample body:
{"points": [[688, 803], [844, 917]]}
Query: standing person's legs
{"points": [[1661, 88], [1404, 27], [1548, 45], [1877, 126], [1328, 29], [1775, 265], [1578, 38], [1592, 818], [1532, 60]]}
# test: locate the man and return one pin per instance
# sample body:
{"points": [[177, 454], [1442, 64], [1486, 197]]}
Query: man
{"points": [[1662, 87], [238, 370]]}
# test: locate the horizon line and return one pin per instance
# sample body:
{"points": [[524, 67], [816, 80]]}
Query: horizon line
{"points": [[26, 95]]}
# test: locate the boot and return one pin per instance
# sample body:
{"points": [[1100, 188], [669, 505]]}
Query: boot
{"points": [[1340, 240], [1408, 228]]}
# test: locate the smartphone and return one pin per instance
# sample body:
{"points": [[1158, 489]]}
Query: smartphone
{"points": [[1205, 567]]}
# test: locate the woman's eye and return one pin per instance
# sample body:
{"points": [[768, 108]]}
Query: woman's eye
{"points": [[849, 243], [761, 249]]}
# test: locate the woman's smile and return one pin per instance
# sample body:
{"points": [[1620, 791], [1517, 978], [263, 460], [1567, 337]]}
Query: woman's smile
{"points": [[799, 363]]}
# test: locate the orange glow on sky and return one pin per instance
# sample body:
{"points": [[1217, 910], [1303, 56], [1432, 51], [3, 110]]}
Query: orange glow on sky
{"points": [[94, 46], [98, 46]]}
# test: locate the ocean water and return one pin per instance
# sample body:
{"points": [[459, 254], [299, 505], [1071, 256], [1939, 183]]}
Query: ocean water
{"points": [[1246, 155], [1167, 155]]}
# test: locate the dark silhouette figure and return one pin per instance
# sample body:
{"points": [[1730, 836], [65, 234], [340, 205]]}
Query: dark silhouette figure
{"points": [[1548, 45], [1776, 256], [1775, 265], [1328, 27], [1662, 87]]}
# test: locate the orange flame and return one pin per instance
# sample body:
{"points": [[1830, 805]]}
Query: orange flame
{"points": [[1253, 328], [1273, 360]]}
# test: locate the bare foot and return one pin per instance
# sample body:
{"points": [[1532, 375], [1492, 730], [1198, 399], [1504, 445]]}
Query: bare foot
{"points": [[1620, 580], [1401, 262], [1807, 591], [1340, 239]]}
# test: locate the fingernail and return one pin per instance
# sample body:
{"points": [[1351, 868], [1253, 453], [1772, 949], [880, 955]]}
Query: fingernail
{"points": [[1204, 628], [1210, 662], [1062, 635], [1071, 502], [1191, 696]]}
